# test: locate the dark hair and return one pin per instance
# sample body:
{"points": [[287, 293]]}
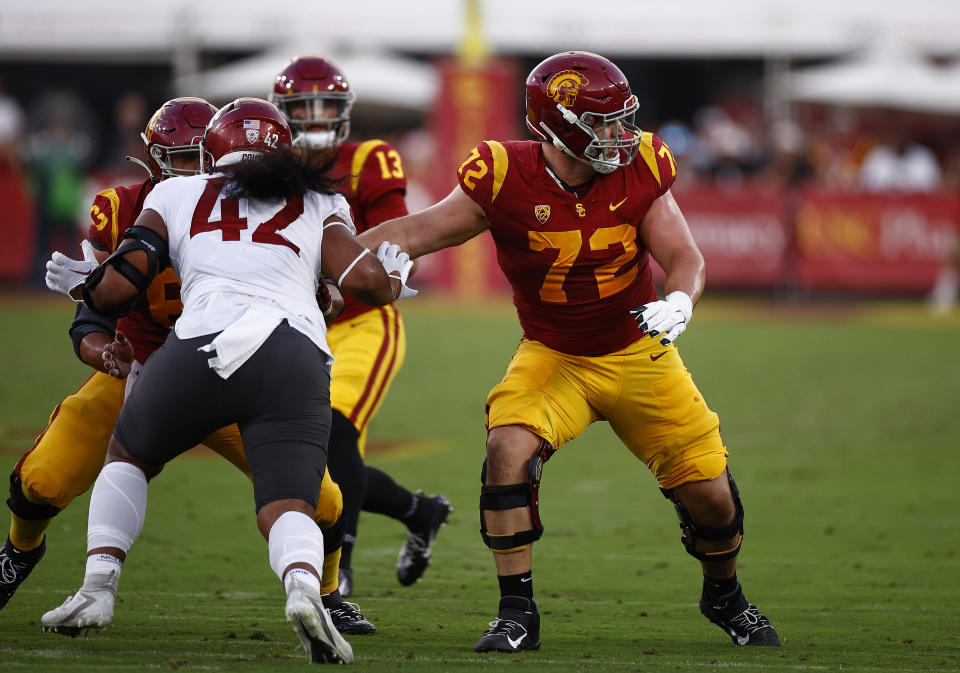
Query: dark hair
{"points": [[272, 176]]}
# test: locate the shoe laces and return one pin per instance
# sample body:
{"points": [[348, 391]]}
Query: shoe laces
{"points": [[10, 569], [750, 620], [348, 610], [418, 544], [505, 626]]}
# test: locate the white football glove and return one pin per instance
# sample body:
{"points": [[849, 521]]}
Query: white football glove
{"points": [[398, 265], [65, 274], [667, 317]]}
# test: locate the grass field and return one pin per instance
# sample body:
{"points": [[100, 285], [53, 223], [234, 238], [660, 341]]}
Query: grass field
{"points": [[844, 433]]}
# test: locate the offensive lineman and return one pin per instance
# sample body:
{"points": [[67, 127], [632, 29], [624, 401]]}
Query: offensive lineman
{"points": [[368, 343], [249, 241], [575, 221]]}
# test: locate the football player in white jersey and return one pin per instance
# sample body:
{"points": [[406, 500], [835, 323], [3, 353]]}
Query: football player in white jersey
{"points": [[249, 240]]}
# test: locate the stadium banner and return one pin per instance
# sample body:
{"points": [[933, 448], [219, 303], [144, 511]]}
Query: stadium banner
{"points": [[873, 242], [474, 103], [743, 235]]}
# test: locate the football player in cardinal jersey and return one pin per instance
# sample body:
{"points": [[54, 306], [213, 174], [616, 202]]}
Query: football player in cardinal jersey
{"points": [[249, 241], [369, 343], [576, 217], [68, 455]]}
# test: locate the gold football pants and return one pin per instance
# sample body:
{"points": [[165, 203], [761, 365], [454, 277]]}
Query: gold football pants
{"points": [[368, 351], [643, 391]]}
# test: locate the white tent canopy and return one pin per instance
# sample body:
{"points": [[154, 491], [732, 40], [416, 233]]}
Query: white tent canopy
{"points": [[377, 79], [887, 74]]}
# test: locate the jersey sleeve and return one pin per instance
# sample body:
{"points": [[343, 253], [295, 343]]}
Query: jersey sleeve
{"points": [[389, 206], [659, 160], [104, 230], [376, 169], [482, 173]]}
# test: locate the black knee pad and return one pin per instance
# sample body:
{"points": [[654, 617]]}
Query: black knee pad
{"points": [[692, 531], [513, 496], [23, 508]]}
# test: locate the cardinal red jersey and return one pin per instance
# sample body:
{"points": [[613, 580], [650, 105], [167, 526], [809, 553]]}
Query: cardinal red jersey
{"points": [[375, 184], [576, 264], [146, 326]]}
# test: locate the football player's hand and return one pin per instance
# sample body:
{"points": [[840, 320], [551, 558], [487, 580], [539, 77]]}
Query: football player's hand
{"points": [[397, 264], [67, 275], [330, 300], [668, 317], [118, 356]]}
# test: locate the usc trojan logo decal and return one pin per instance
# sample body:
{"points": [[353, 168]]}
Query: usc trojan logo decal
{"points": [[564, 86], [542, 213]]}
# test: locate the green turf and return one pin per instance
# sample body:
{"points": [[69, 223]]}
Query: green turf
{"points": [[844, 438]]}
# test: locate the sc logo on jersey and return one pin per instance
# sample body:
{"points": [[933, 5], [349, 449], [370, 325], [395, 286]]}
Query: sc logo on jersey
{"points": [[564, 86], [542, 213]]}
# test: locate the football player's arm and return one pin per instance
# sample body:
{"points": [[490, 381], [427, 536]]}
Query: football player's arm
{"points": [[353, 267], [665, 234], [455, 220], [114, 287], [96, 340]]}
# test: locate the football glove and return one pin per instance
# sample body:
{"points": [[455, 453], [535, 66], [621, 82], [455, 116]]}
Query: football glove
{"points": [[668, 317], [397, 264], [65, 274]]}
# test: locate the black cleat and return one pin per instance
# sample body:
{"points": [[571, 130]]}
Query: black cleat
{"points": [[516, 628], [15, 565], [414, 556], [345, 582], [741, 621], [347, 616]]}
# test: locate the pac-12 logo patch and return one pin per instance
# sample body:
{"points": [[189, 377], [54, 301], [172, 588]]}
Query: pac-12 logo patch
{"points": [[564, 86], [252, 129], [542, 213]]}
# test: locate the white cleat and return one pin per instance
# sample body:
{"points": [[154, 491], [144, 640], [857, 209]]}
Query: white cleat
{"points": [[91, 607], [314, 627]]}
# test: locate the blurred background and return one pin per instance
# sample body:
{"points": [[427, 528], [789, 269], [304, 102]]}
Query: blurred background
{"points": [[818, 143]]}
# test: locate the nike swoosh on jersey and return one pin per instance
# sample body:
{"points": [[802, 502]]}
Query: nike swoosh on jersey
{"points": [[657, 357], [614, 207], [514, 643]]}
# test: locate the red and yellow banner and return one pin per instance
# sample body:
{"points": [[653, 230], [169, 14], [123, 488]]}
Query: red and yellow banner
{"points": [[874, 242]]}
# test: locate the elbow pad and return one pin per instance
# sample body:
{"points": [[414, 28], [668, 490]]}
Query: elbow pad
{"points": [[87, 322], [158, 258]]}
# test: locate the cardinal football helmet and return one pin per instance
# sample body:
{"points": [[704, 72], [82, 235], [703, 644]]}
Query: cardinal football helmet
{"points": [[175, 129], [582, 104], [242, 129], [316, 99]]}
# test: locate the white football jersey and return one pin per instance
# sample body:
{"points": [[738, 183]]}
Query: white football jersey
{"points": [[244, 265]]}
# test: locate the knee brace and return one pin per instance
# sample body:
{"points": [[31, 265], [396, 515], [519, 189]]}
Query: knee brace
{"points": [[513, 496], [692, 531], [25, 509]]}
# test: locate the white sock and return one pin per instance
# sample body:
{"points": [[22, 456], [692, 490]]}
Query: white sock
{"points": [[295, 538], [102, 567], [117, 507]]}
